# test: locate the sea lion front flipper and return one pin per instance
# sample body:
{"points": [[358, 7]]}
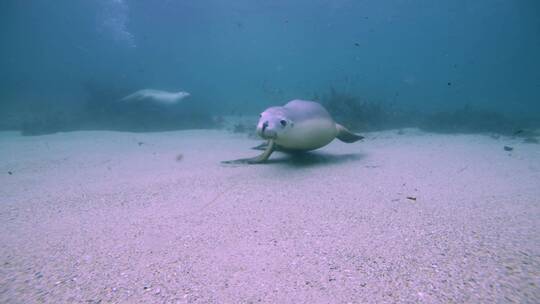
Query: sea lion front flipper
{"points": [[254, 160], [261, 147], [264, 146], [345, 135], [264, 156]]}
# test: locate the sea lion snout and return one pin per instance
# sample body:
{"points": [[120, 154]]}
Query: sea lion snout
{"points": [[266, 132]]}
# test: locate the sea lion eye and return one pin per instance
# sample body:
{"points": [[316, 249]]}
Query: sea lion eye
{"points": [[283, 122]]}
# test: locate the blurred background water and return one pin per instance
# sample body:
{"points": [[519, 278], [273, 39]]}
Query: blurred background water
{"points": [[64, 64]]}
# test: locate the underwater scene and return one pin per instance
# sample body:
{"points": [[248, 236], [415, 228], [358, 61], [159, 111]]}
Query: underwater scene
{"points": [[345, 151]]}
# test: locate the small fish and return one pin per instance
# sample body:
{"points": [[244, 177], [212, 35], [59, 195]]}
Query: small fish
{"points": [[10, 173], [508, 148], [517, 132], [357, 44], [449, 83], [412, 198]]}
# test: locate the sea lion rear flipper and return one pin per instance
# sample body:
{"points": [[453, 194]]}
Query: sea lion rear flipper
{"points": [[137, 96], [345, 135], [255, 160]]}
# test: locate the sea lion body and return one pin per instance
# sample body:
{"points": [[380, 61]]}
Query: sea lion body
{"points": [[299, 125], [156, 96], [308, 125]]}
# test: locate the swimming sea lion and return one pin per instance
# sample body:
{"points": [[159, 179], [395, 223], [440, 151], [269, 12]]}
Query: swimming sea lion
{"points": [[300, 125], [156, 96]]}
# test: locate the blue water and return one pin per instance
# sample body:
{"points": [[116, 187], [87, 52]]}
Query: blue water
{"points": [[242, 56]]}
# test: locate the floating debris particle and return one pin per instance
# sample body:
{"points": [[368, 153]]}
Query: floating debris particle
{"points": [[508, 148], [179, 157]]}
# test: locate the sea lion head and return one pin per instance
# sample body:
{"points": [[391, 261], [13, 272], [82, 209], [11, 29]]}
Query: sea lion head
{"points": [[181, 95], [273, 123]]}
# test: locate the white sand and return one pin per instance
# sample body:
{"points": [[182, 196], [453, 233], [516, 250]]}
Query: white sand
{"points": [[89, 217]]}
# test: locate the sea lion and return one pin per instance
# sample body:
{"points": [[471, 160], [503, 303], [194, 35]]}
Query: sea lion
{"points": [[156, 96], [299, 125]]}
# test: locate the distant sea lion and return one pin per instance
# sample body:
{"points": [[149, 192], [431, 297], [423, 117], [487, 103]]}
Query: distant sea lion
{"points": [[300, 125], [156, 96]]}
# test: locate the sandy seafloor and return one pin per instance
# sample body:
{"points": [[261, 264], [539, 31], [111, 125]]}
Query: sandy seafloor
{"points": [[110, 217]]}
